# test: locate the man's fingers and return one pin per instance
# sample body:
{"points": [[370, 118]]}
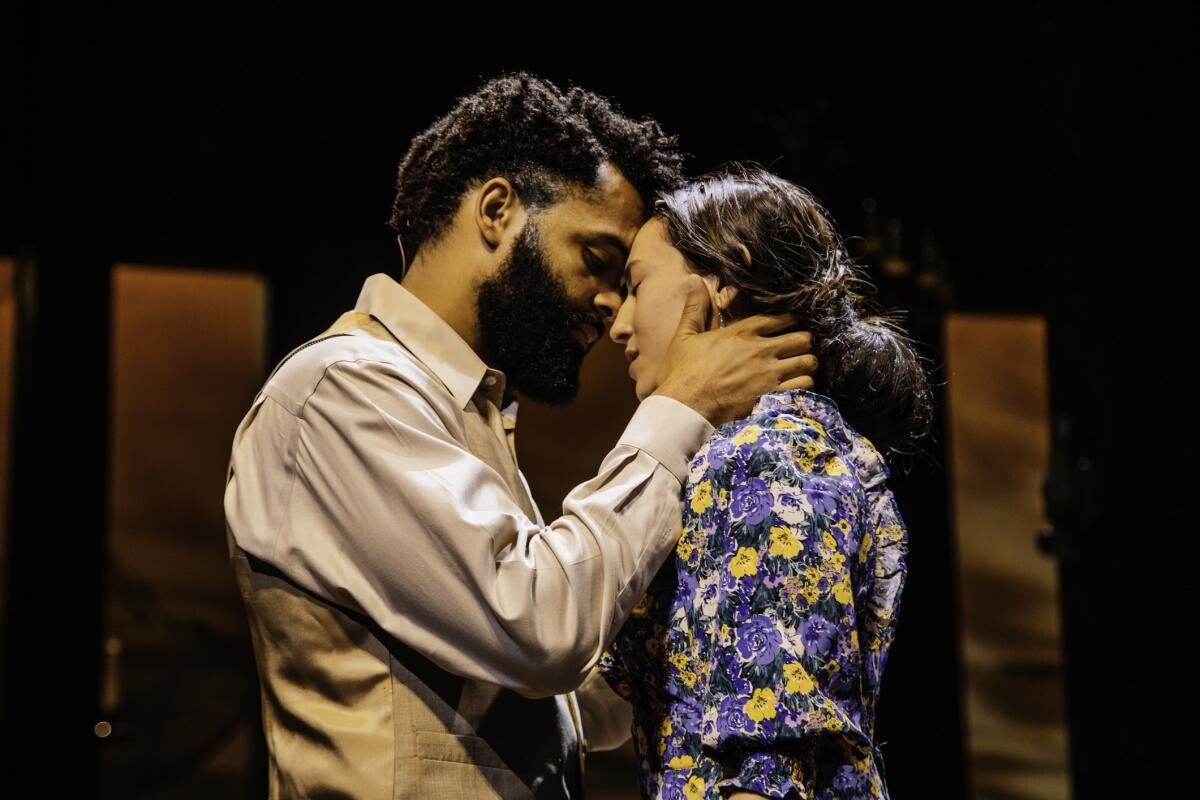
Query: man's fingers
{"points": [[792, 344], [695, 310], [769, 324], [797, 366], [803, 382]]}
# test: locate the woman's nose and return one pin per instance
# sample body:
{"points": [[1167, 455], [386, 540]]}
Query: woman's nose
{"points": [[621, 328]]}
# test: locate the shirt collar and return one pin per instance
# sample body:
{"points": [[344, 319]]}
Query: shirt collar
{"points": [[870, 464], [431, 339]]}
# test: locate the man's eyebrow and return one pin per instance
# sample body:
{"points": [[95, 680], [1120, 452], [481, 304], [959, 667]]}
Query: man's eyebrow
{"points": [[612, 240]]}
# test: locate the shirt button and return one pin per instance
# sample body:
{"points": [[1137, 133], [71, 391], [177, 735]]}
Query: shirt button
{"points": [[489, 381]]}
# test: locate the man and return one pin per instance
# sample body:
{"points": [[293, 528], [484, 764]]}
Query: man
{"points": [[419, 629]]}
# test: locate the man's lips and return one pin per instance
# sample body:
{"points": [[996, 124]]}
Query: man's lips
{"points": [[586, 334]]}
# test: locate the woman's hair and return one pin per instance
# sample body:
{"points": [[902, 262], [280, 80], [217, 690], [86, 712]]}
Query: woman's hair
{"points": [[798, 263]]}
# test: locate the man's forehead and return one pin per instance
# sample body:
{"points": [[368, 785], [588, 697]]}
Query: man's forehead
{"points": [[613, 206], [604, 228]]}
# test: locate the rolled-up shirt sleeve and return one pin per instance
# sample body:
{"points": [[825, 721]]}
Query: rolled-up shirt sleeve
{"points": [[362, 495]]}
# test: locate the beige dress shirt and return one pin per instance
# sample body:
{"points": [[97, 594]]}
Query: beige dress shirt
{"points": [[419, 628]]}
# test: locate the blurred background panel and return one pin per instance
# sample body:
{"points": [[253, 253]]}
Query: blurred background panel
{"points": [[178, 703], [8, 329], [999, 448]]}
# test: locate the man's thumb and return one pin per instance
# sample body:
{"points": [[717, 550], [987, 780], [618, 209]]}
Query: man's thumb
{"points": [[695, 310]]}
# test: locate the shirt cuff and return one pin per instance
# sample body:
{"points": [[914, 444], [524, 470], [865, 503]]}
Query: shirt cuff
{"points": [[668, 431], [770, 774]]}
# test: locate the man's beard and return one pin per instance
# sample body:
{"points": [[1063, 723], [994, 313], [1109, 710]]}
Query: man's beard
{"points": [[525, 322]]}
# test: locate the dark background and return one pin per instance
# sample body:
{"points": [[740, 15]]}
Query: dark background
{"points": [[1020, 159]]}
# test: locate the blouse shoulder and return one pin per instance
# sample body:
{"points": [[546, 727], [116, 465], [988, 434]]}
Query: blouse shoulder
{"points": [[789, 434]]}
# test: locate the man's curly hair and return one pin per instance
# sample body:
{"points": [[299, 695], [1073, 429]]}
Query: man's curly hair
{"points": [[542, 139]]}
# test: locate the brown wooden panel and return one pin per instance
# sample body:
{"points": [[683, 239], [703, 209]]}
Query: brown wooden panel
{"points": [[187, 351], [8, 330], [999, 438]]}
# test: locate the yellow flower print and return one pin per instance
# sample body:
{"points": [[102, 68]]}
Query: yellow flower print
{"points": [[785, 424], [864, 548], [761, 705], [784, 542], [643, 606], [812, 574], [811, 449], [798, 679], [744, 562], [688, 677], [679, 660], [842, 592], [838, 560], [681, 762], [702, 497], [816, 426], [747, 435], [828, 540], [721, 495], [684, 549], [835, 466], [843, 525], [666, 727], [724, 632], [694, 788], [811, 593], [662, 746]]}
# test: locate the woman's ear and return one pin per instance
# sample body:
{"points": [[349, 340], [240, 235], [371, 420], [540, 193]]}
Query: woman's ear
{"points": [[725, 297]]}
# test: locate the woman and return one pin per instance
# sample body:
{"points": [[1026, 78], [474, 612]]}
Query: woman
{"points": [[753, 663]]}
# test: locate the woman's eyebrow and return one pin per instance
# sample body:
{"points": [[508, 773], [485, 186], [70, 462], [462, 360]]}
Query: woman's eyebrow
{"points": [[627, 275]]}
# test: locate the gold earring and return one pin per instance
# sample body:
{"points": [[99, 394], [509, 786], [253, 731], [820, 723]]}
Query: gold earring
{"points": [[720, 319]]}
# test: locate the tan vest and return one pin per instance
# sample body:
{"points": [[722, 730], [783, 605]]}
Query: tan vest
{"points": [[350, 712]]}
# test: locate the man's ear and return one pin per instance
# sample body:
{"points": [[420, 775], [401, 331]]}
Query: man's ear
{"points": [[496, 210]]}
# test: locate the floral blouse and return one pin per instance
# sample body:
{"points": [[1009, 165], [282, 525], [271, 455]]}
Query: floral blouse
{"points": [[754, 660]]}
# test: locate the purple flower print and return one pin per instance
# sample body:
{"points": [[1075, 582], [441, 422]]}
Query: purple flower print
{"points": [[817, 634], [752, 500], [819, 497], [759, 639], [685, 591], [719, 451], [731, 717], [847, 779]]}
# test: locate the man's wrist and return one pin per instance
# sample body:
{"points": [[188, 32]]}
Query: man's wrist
{"points": [[699, 402], [669, 430]]}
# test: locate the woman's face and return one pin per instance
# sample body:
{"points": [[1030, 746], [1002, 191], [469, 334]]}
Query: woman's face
{"points": [[656, 276]]}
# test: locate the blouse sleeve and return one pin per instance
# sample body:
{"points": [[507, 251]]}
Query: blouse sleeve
{"points": [[782, 557]]}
